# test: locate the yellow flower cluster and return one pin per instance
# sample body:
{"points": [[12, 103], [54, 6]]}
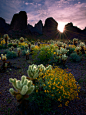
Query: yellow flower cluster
{"points": [[22, 44], [60, 85], [3, 42], [72, 46]]}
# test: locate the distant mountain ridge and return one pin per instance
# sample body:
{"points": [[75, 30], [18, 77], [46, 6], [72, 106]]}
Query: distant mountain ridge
{"points": [[19, 27]]}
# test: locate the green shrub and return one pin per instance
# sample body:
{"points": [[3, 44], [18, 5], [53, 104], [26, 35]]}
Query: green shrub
{"points": [[2, 46], [44, 55], [71, 50], [10, 44], [74, 57], [24, 52], [22, 47], [11, 54]]}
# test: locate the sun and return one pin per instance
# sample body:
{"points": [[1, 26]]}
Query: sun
{"points": [[61, 27]]}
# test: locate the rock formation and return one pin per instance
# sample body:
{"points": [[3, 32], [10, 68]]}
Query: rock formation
{"points": [[19, 21], [50, 27], [19, 28], [39, 26], [73, 32], [3, 26]]}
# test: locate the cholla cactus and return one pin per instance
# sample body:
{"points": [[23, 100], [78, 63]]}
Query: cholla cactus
{"points": [[64, 45], [63, 50], [39, 44], [59, 44], [82, 44], [6, 38], [21, 39], [32, 47], [12, 48], [27, 54], [26, 46], [17, 41], [75, 41], [22, 87], [33, 71], [58, 52], [19, 50], [64, 57], [77, 49], [3, 57]]}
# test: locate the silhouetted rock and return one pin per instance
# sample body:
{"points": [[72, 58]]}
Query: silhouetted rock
{"points": [[19, 28], [29, 26], [37, 29], [19, 21], [50, 27], [84, 31], [39, 26], [73, 32], [3, 26]]}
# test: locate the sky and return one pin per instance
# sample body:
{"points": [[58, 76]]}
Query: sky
{"points": [[63, 11]]}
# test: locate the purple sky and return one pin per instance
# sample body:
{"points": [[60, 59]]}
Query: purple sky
{"points": [[63, 11]]}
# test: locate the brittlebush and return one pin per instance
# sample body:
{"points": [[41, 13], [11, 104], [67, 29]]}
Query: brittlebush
{"points": [[60, 85]]}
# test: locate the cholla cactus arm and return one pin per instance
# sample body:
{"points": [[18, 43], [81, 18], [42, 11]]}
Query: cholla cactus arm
{"points": [[18, 84], [13, 81], [24, 90], [23, 78], [25, 82], [30, 90], [35, 75], [49, 68], [11, 90], [29, 84]]}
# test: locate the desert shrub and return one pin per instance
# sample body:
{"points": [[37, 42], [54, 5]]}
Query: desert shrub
{"points": [[44, 55], [24, 52], [53, 59], [10, 44], [22, 47], [74, 57], [58, 86], [11, 54], [71, 49], [2, 46]]}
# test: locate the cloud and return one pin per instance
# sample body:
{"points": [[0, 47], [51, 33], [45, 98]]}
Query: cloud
{"points": [[26, 3], [64, 11]]}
